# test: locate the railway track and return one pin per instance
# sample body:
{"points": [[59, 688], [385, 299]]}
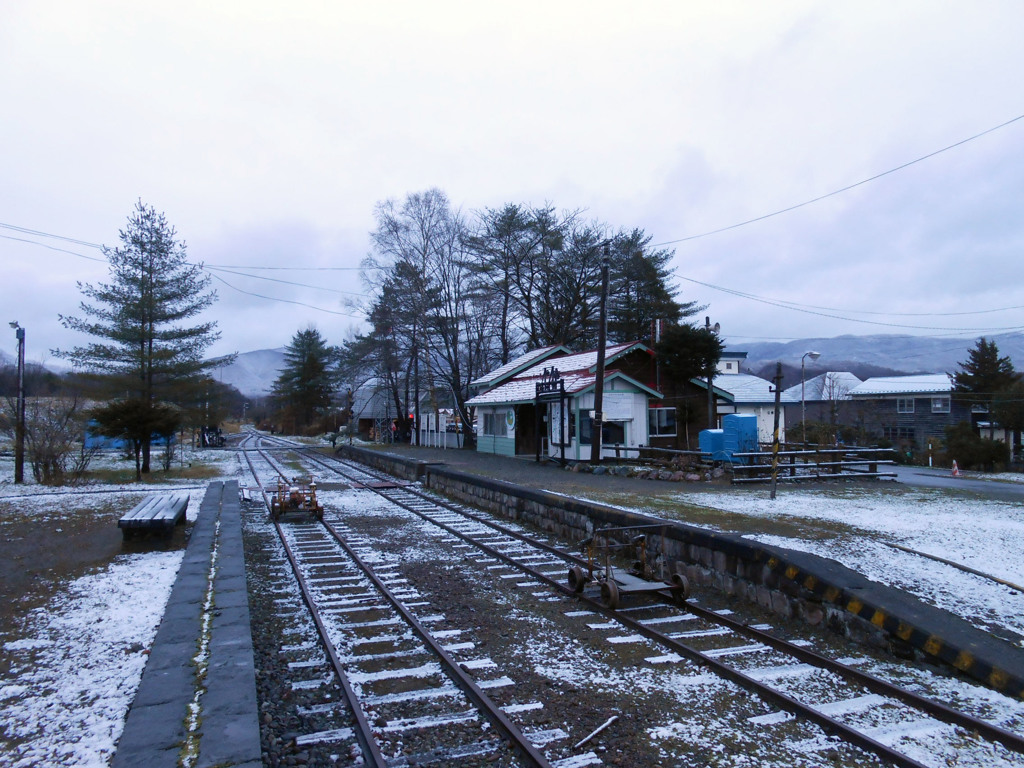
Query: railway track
{"points": [[901, 727], [368, 626]]}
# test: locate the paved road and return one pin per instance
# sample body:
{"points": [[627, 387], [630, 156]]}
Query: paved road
{"points": [[942, 478]]}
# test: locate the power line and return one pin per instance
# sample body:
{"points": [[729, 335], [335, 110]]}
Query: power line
{"points": [[98, 246], [283, 301], [211, 269], [783, 305], [799, 305], [38, 233], [841, 190], [292, 269], [53, 248]]}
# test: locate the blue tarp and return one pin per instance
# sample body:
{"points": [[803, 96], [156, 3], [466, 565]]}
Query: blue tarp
{"points": [[116, 443]]}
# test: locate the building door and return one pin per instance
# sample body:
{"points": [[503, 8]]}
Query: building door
{"points": [[526, 429]]}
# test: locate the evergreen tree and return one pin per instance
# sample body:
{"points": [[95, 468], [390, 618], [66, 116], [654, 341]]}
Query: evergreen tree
{"points": [[640, 291], [1008, 407], [688, 352], [984, 374], [137, 421], [306, 383], [146, 348]]}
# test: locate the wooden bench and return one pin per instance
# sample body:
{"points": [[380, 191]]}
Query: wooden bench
{"points": [[158, 512]]}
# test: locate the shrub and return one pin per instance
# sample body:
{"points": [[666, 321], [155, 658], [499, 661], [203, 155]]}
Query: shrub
{"points": [[970, 451]]}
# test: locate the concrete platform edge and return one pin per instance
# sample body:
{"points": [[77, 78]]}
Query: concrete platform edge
{"points": [[156, 730]]}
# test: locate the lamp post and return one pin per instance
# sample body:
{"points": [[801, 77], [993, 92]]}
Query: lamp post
{"points": [[803, 399], [711, 375], [19, 433]]}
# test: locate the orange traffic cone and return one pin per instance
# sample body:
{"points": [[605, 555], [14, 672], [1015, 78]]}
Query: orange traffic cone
{"points": [[956, 469]]}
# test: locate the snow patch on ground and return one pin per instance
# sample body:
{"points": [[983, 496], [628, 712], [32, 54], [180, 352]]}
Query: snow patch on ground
{"points": [[81, 662]]}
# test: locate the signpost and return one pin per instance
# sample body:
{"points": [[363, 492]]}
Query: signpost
{"points": [[551, 388]]}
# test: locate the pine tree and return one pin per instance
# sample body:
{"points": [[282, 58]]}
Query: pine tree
{"points": [[984, 374], [641, 292], [146, 348], [688, 352], [306, 383]]}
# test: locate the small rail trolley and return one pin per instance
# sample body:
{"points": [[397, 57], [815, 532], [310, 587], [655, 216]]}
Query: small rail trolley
{"points": [[296, 498], [615, 582]]}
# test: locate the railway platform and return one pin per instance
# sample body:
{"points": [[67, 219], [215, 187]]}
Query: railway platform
{"points": [[196, 704]]}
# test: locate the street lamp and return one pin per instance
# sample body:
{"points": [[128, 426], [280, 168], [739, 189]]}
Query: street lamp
{"points": [[19, 433], [711, 374], [803, 399]]}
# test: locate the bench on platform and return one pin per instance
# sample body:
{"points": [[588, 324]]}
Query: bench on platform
{"points": [[158, 512]]}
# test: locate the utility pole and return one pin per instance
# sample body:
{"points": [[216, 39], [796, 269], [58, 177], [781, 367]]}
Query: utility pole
{"points": [[775, 439], [595, 437], [711, 376], [19, 432]]}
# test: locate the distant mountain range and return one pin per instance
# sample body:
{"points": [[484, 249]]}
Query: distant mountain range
{"points": [[876, 355], [253, 373]]}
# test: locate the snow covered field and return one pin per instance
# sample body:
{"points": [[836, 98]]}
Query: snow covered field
{"points": [[855, 525], [72, 665]]}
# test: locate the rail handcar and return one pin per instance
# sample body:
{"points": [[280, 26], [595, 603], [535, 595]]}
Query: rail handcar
{"points": [[296, 497]]}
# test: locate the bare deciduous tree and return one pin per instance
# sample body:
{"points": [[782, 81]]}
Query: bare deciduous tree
{"points": [[54, 431]]}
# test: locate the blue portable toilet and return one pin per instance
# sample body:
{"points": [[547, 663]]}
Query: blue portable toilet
{"points": [[711, 443], [740, 434]]}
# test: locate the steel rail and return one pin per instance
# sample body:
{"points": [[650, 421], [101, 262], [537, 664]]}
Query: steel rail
{"points": [[953, 564], [492, 711], [936, 709], [784, 701], [515, 737], [363, 731]]}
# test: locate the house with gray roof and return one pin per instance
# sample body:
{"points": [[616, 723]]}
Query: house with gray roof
{"points": [[909, 411]]}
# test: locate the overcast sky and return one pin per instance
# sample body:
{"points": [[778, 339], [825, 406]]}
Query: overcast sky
{"points": [[267, 131]]}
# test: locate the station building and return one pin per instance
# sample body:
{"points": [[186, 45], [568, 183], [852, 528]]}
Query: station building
{"points": [[513, 421]]}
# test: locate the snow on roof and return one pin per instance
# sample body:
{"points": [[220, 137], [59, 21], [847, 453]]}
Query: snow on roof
{"points": [[831, 385], [581, 361], [522, 361], [927, 383], [523, 388], [733, 354], [747, 388], [585, 361]]}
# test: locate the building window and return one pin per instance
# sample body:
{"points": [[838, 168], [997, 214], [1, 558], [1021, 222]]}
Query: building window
{"points": [[613, 432], [940, 405], [728, 366], [661, 422], [898, 433], [904, 405], [494, 424]]}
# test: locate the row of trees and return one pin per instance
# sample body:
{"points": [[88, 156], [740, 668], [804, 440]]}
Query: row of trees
{"points": [[454, 296], [451, 297]]}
